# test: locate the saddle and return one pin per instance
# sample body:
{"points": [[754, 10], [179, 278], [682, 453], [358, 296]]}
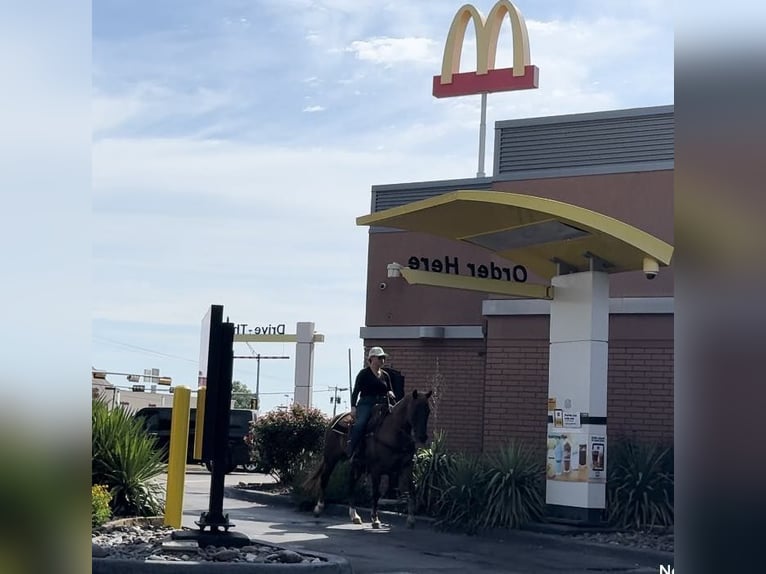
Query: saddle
{"points": [[342, 423]]}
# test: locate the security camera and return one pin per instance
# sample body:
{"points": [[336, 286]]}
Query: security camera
{"points": [[651, 267], [394, 270], [382, 285]]}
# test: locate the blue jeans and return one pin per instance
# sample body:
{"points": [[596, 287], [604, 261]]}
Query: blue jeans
{"points": [[363, 414]]}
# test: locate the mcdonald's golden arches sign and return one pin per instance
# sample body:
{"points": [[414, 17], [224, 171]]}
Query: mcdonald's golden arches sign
{"points": [[522, 76]]}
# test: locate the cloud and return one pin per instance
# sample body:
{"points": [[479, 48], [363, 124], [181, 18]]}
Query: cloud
{"points": [[147, 103], [311, 109], [389, 51]]}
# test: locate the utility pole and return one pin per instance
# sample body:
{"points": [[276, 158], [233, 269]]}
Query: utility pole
{"points": [[336, 399], [258, 358]]}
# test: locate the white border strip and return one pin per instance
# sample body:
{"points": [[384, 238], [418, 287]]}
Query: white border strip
{"points": [[511, 307], [617, 306], [425, 332]]}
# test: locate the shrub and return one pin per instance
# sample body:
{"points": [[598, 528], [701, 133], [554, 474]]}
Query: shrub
{"points": [[126, 461], [99, 504], [514, 485], [639, 485], [430, 474], [282, 438], [462, 503]]}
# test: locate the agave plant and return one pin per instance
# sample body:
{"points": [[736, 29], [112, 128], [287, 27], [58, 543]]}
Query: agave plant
{"points": [[126, 460], [430, 474], [640, 485], [462, 502], [514, 484]]}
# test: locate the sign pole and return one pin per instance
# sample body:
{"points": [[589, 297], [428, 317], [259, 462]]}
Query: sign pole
{"points": [[482, 134]]}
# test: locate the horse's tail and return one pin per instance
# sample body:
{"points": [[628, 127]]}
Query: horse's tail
{"points": [[312, 483]]}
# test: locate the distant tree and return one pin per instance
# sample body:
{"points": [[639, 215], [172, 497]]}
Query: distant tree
{"points": [[241, 401]]}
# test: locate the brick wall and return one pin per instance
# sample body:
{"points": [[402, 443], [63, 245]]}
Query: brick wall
{"points": [[489, 393], [516, 392], [640, 390], [454, 370], [639, 379]]}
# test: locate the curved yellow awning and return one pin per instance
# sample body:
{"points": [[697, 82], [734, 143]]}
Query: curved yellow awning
{"points": [[536, 232]]}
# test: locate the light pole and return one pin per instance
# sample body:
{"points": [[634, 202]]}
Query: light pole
{"points": [[258, 358], [336, 399]]}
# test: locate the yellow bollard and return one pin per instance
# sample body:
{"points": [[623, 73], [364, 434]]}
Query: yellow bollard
{"points": [[199, 425], [179, 442]]}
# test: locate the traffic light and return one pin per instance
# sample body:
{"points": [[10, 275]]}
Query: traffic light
{"points": [[99, 375], [164, 380], [138, 388], [254, 403]]}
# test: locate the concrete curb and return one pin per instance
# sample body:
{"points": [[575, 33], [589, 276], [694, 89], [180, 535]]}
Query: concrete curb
{"points": [[340, 510], [330, 509], [333, 564]]}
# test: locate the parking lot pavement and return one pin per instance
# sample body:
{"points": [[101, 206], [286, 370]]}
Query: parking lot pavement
{"points": [[396, 550]]}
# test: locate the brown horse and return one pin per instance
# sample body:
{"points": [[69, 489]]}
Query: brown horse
{"points": [[388, 450]]}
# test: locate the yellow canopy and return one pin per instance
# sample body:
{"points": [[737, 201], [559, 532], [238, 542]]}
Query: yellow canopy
{"points": [[532, 231]]}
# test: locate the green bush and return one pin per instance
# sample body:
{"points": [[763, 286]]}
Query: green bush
{"points": [[126, 461], [514, 487], [461, 504], [99, 504], [430, 474], [639, 485], [283, 438]]}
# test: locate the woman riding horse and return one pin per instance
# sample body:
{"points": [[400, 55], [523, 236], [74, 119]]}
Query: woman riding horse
{"points": [[389, 450], [374, 386]]}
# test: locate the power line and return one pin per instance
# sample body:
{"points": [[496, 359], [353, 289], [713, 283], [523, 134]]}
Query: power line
{"points": [[139, 349], [144, 349]]}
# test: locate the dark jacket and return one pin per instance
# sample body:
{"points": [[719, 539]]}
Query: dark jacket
{"points": [[368, 385]]}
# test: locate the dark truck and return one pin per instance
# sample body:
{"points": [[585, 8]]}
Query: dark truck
{"points": [[156, 421]]}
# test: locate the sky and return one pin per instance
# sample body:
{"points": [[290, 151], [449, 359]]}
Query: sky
{"points": [[235, 143]]}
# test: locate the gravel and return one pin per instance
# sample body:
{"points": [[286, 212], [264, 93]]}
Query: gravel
{"points": [[148, 542], [662, 541]]}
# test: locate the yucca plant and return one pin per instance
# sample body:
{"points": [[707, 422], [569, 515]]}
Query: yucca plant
{"points": [[639, 485], [514, 485], [430, 474], [462, 503], [126, 460]]}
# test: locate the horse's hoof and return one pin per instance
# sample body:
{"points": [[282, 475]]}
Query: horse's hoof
{"points": [[356, 520], [376, 525], [410, 523]]}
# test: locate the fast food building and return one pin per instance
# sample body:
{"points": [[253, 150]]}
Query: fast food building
{"points": [[485, 353], [536, 303]]}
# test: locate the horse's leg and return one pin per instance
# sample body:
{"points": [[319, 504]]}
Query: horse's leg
{"points": [[353, 479], [329, 460], [327, 468], [407, 481], [374, 518]]}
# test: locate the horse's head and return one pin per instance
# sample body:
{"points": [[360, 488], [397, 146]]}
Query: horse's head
{"points": [[418, 410]]}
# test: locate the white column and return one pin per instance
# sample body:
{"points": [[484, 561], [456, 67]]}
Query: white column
{"points": [[579, 335], [304, 363]]}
